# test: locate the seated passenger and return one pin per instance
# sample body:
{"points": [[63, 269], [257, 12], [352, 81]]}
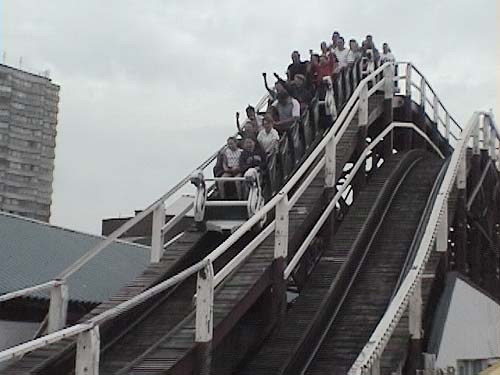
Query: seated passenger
{"points": [[231, 165], [325, 50], [268, 137], [354, 52], [273, 112], [335, 37], [251, 126], [325, 68], [296, 67], [301, 91], [250, 157], [341, 54], [386, 54], [312, 71], [297, 89], [288, 109], [370, 46]]}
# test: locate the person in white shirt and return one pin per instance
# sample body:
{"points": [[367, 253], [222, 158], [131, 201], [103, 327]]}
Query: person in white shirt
{"points": [[354, 52], [386, 54], [335, 37], [231, 165], [288, 108], [268, 137], [341, 54]]}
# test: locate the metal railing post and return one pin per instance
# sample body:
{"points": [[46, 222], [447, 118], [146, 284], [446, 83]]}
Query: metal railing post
{"points": [[423, 94], [281, 230], [205, 303], [415, 328], [475, 136], [87, 352], [363, 106], [330, 163], [497, 150], [447, 124], [157, 233], [492, 148], [486, 132], [462, 172], [415, 312], [58, 308], [435, 105], [408, 80], [389, 82], [375, 367], [442, 233], [388, 108], [205, 316]]}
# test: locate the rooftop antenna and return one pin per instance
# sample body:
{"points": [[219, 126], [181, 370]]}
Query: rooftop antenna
{"points": [[4, 57], [20, 62]]}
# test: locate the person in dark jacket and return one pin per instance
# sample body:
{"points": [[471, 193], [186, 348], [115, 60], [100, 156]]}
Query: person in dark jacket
{"points": [[250, 157]]}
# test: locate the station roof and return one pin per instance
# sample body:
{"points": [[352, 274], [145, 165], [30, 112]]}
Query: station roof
{"points": [[33, 252]]}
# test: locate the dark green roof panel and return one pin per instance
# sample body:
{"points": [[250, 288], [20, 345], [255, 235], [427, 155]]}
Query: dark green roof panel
{"points": [[32, 252]]}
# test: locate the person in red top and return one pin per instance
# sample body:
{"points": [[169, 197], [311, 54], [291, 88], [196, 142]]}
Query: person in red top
{"points": [[325, 68], [312, 71]]}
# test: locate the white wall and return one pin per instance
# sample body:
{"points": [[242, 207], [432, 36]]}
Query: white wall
{"points": [[472, 327], [13, 333]]}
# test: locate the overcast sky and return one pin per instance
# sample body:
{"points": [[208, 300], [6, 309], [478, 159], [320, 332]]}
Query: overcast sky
{"points": [[149, 88]]}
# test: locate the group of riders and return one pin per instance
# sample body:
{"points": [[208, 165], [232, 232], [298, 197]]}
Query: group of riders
{"points": [[259, 135]]}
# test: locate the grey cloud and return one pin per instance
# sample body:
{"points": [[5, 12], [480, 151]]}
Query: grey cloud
{"points": [[149, 88]]}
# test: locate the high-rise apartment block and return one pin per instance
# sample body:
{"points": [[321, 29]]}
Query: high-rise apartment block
{"points": [[28, 120]]}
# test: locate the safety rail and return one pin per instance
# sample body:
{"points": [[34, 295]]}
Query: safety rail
{"points": [[447, 125], [477, 134], [88, 333]]}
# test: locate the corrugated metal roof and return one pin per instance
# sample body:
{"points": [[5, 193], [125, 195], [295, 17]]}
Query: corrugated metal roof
{"points": [[32, 252]]}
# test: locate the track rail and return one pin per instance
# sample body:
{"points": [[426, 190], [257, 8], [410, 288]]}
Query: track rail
{"points": [[481, 128]]}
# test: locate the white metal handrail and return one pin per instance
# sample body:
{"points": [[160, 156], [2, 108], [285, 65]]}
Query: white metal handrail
{"points": [[20, 350], [436, 230], [27, 291], [435, 104]]}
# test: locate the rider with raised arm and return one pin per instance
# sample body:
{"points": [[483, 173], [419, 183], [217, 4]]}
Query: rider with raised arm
{"points": [[272, 93], [297, 89], [251, 126]]}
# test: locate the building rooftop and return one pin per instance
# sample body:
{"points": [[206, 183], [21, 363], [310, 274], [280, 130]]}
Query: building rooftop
{"points": [[32, 252], [34, 75]]}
